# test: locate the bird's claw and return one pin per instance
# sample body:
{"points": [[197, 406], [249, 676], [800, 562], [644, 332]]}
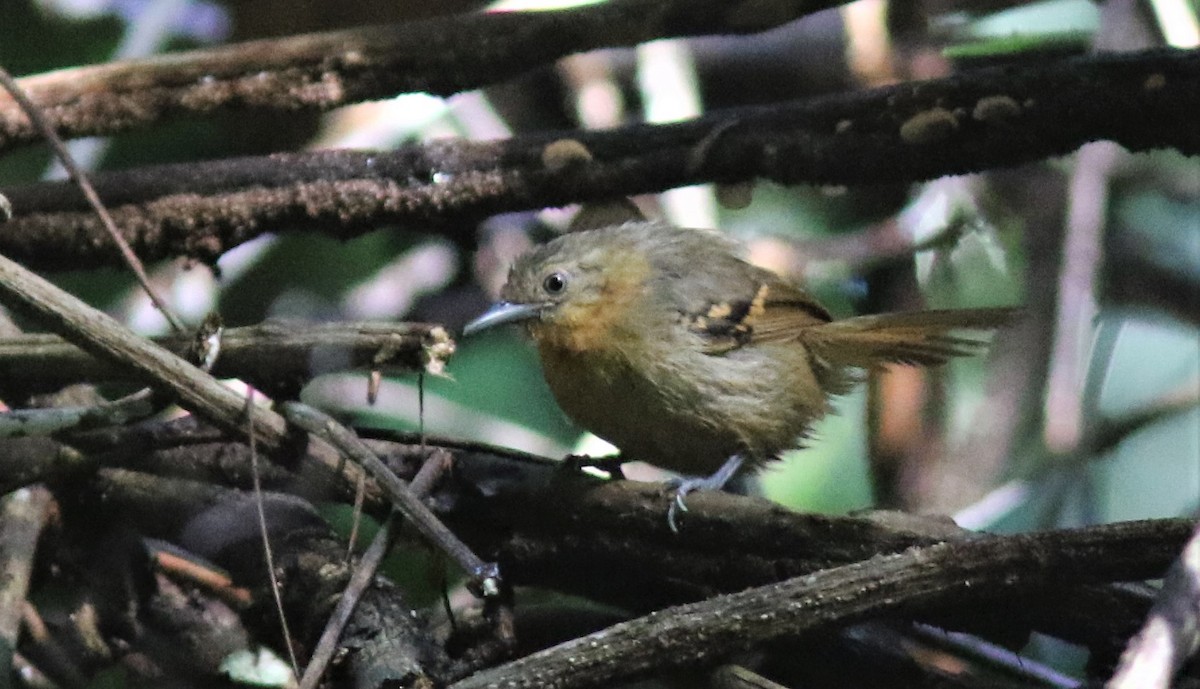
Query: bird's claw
{"points": [[678, 504], [683, 486]]}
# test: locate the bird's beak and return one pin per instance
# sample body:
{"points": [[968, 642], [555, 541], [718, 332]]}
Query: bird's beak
{"points": [[502, 313]]}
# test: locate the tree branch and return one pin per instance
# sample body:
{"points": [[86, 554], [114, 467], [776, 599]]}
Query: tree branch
{"points": [[973, 121], [277, 357], [443, 56]]}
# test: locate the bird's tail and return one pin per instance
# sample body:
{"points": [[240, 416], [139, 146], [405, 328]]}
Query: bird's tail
{"points": [[916, 338]]}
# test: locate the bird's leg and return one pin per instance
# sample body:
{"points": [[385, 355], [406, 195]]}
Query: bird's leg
{"points": [[716, 481], [609, 464]]}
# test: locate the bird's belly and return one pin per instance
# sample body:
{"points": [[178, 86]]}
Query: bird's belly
{"points": [[685, 423]]}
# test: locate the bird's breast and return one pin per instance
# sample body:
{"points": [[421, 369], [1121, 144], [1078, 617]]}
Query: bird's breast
{"points": [[638, 413]]}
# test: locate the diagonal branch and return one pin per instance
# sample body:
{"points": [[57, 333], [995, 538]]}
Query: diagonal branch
{"points": [[324, 70], [198, 391], [974, 121]]}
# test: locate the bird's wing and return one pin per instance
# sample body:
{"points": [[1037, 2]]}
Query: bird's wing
{"points": [[765, 309], [728, 302]]}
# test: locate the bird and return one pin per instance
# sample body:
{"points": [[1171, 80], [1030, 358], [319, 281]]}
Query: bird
{"points": [[664, 342]]}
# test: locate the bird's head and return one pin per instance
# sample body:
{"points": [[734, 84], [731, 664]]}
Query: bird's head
{"points": [[572, 292]]}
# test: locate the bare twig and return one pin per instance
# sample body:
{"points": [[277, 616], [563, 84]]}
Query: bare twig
{"points": [[26, 422], [363, 575], [1140, 101], [217, 582], [485, 575], [275, 356], [268, 552], [1172, 632], [35, 115], [1106, 432]]}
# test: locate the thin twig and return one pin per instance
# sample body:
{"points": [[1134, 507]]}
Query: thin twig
{"points": [[485, 575], [272, 575], [34, 113], [27, 422], [431, 470], [206, 577], [363, 575]]}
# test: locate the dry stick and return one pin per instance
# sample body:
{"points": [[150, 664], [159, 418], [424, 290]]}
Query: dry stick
{"points": [[917, 579], [485, 575], [99, 334], [28, 422], [23, 514], [264, 533], [34, 113], [424, 481], [215, 582], [263, 354], [363, 575], [1171, 634]]}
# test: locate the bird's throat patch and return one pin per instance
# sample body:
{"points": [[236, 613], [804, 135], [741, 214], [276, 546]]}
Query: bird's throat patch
{"points": [[593, 320]]}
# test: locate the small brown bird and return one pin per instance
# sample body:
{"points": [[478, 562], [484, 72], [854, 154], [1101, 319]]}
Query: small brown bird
{"points": [[663, 342]]}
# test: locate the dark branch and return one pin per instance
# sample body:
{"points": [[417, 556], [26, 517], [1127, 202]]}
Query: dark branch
{"points": [[939, 576], [915, 131], [324, 70], [545, 528]]}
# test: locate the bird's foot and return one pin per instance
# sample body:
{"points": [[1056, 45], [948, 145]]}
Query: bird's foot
{"points": [[609, 464], [683, 486]]}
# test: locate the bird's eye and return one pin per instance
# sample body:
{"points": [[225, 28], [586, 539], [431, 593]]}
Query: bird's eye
{"points": [[555, 282]]}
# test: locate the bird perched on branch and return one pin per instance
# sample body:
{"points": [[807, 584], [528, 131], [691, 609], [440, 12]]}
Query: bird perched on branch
{"points": [[665, 343]]}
